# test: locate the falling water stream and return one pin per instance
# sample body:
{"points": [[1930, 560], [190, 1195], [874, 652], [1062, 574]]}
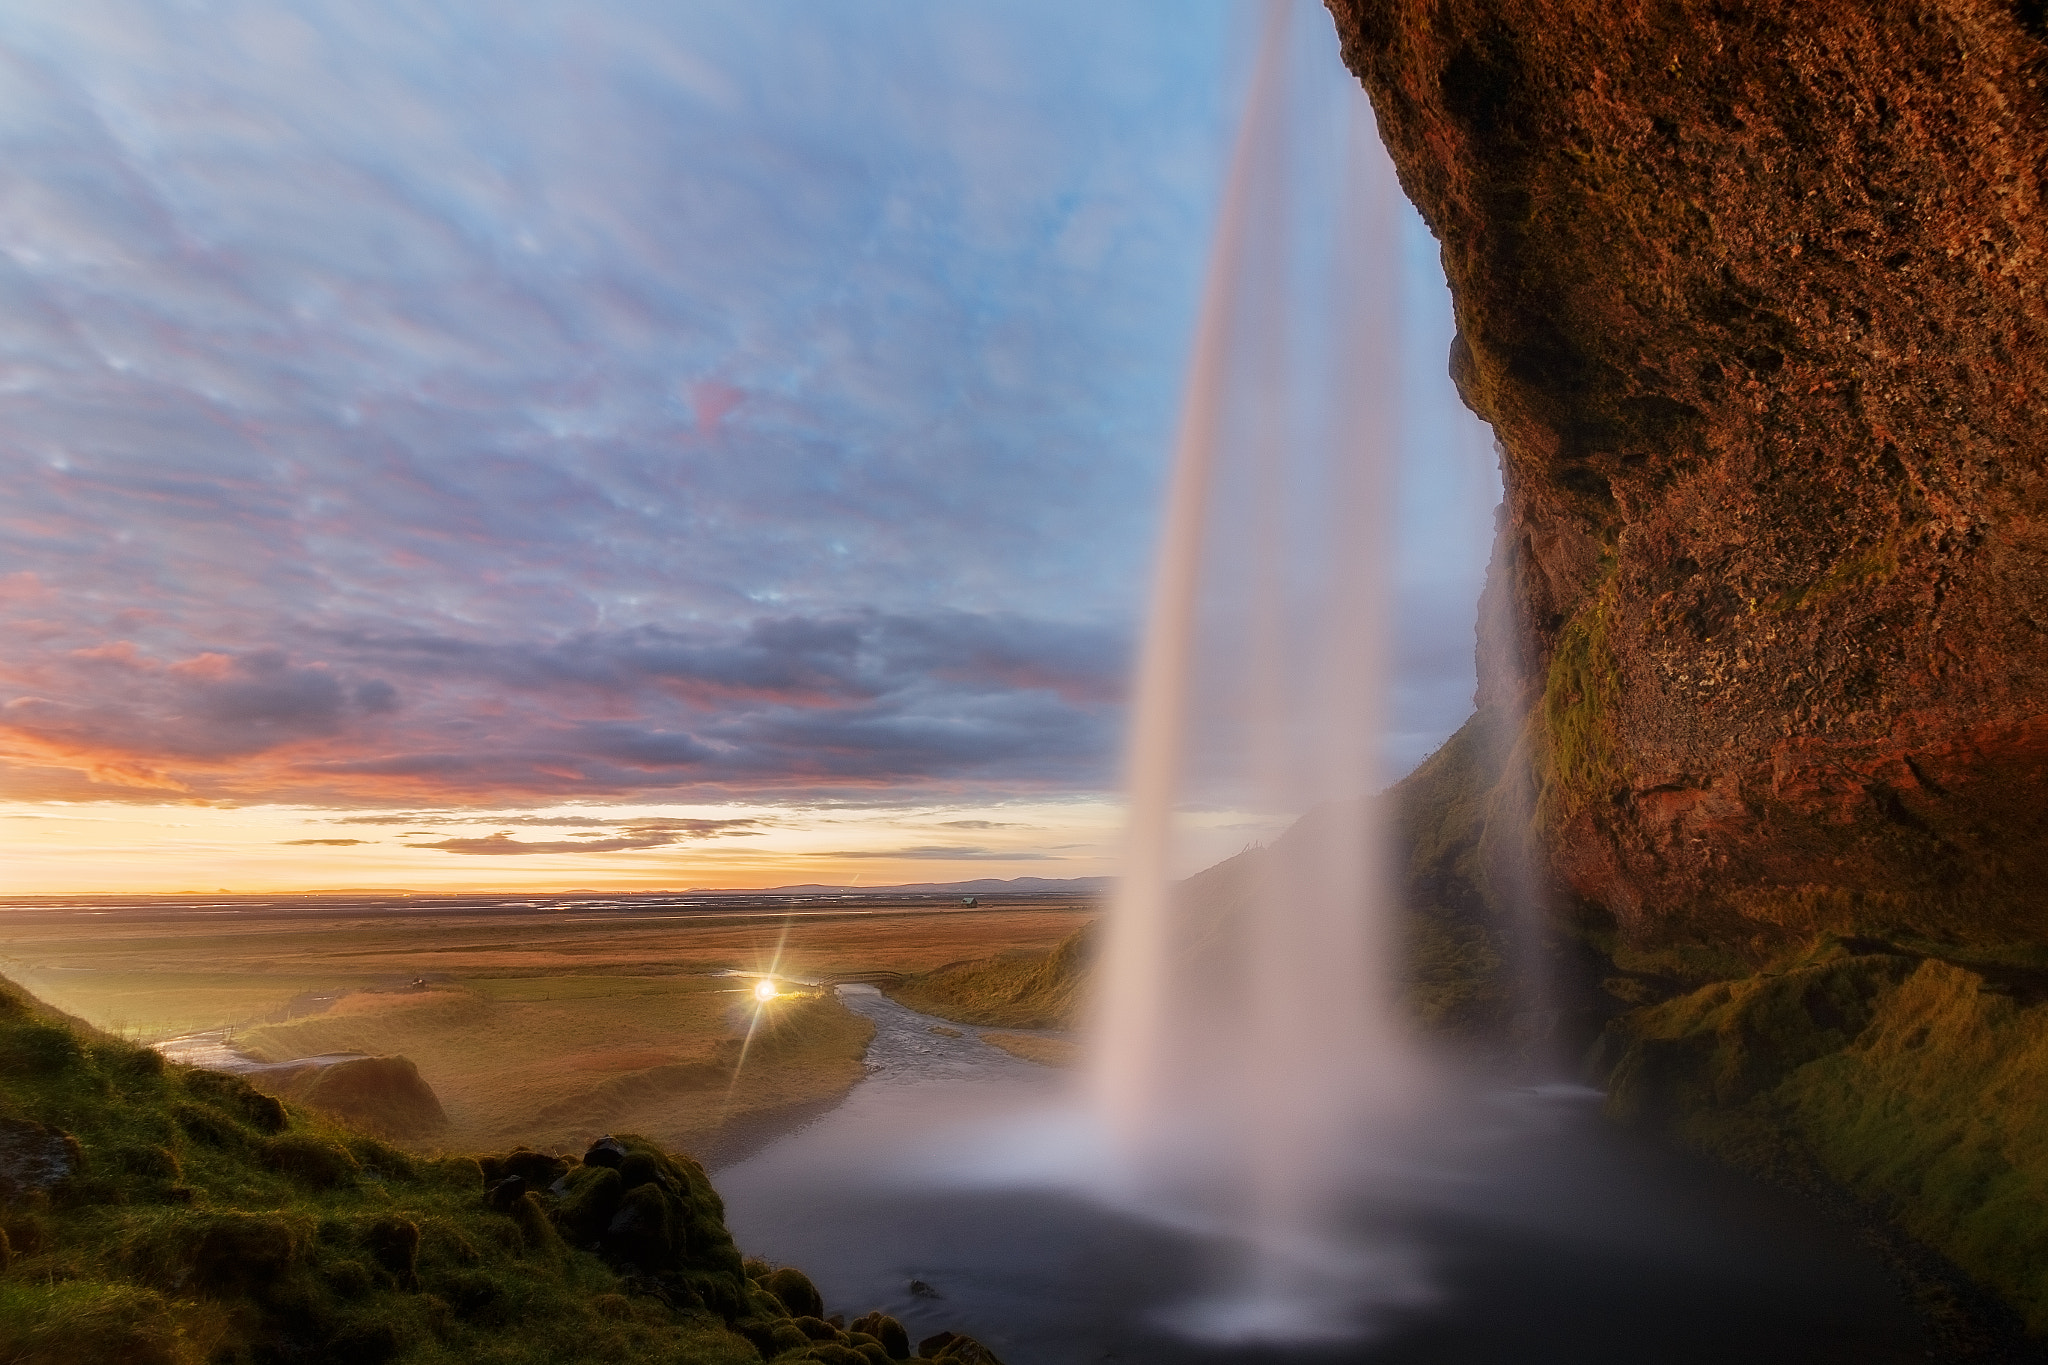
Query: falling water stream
{"points": [[1259, 1161], [1243, 1036]]}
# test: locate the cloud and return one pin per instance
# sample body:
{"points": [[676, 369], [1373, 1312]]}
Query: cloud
{"points": [[638, 834], [324, 843], [561, 821], [739, 401], [486, 408], [784, 704], [942, 853]]}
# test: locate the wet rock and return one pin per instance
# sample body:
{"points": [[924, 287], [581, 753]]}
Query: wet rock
{"points": [[919, 1289]]}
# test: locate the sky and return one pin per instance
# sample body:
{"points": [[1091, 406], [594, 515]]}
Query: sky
{"points": [[613, 444]]}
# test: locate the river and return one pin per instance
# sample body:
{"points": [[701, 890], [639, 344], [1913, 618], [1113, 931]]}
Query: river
{"points": [[953, 1189]]}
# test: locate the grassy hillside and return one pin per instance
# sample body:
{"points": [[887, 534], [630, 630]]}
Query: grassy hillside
{"points": [[1021, 990], [1914, 1079], [160, 1215]]}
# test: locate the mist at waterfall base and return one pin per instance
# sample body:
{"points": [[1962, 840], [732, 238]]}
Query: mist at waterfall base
{"points": [[1258, 1161]]}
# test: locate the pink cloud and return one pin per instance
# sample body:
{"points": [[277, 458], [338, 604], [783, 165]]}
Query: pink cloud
{"points": [[713, 401]]}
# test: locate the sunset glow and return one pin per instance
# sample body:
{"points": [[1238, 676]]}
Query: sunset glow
{"points": [[661, 448]]}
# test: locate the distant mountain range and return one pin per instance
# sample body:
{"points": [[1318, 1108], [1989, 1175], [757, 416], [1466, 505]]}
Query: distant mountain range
{"points": [[981, 886]]}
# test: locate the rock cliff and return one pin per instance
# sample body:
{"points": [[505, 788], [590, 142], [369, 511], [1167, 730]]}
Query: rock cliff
{"points": [[1756, 299]]}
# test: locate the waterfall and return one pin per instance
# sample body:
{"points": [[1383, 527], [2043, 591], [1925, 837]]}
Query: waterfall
{"points": [[1247, 1027]]}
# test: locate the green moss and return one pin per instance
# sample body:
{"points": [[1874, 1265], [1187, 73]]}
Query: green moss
{"points": [[1877, 564], [200, 1221], [1581, 760], [1915, 1081]]}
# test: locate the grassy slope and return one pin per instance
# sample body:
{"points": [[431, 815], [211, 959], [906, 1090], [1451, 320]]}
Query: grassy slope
{"points": [[205, 1222], [1916, 1082], [1023, 990]]}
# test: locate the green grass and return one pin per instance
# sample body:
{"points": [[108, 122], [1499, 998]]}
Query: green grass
{"points": [[1023, 990], [1915, 1081], [206, 1222]]}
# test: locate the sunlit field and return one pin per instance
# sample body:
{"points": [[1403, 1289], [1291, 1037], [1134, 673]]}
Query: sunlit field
{"points": [[545, 1023]]}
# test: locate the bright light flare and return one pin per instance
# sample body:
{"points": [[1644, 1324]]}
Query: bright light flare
{"points": [[764, 990]]}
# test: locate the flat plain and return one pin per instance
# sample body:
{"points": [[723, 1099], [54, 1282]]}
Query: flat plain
{"points": [[537, 1020]]}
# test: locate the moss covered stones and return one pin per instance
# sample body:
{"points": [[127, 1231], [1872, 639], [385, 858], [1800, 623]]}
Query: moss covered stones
{"points": [[160, 1215]]}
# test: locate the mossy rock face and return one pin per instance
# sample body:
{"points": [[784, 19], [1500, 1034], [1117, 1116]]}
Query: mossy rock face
{"points": [[592, 1196], [1913, 1080], [1731, 1041], [794, 1290], [645, 1211], [887, 1332]]}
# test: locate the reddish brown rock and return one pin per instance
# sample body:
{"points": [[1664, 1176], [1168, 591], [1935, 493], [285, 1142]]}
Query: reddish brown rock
{"points": [[1756, 298]]}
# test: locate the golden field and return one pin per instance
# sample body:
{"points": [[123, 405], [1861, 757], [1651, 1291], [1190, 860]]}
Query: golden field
{"points": [[542, 1025]]}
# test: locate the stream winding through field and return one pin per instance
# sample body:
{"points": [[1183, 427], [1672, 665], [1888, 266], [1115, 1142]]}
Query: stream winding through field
{"points": [[953, 1189]]}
